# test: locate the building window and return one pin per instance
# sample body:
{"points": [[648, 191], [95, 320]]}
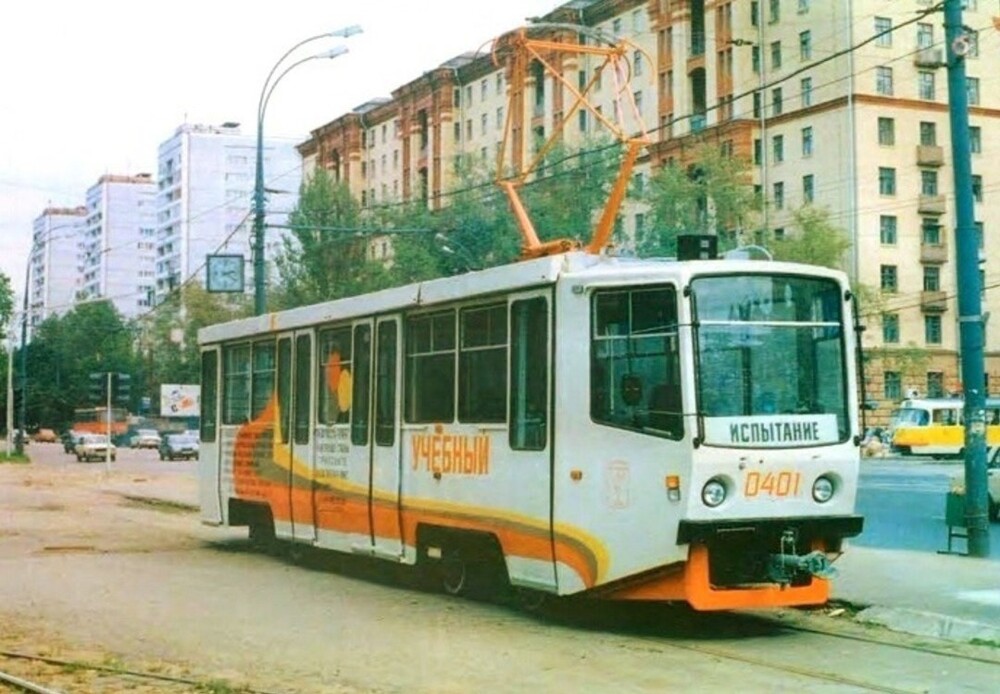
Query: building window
{"points": [[928, 133], [932, 330], [637, 97], [887, 225], [890, 328], [779, 234], [482, 124], [778, 148], [883, 30], [973, 37], [977, 188], [500, 118], [928, 182], [972, 89], [932, 278], [806, 89], [892, 388], [776, 101], [930, 231], [756, 105], [755, 59], [807, 142], [775, 11], [887, 277], [886, 181], [925, 35], [499, 84], [883, 80], [805, 45], [779, 196], [637, 63], [935, 384], [975, 139], [775, 55], [757, 151], [886, 131], [468, 95], [581, 119], [804, 6], [926, 82], [808, 190], [754, 13]]}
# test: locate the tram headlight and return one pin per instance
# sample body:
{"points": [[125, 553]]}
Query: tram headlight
{"points": [[713, 493], [823, 489]]}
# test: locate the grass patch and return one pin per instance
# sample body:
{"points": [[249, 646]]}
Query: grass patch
{"points": [[985, 642], [13, 458]]}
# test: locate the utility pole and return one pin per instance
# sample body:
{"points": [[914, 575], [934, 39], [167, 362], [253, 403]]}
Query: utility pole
{"points": [[970, 318]]}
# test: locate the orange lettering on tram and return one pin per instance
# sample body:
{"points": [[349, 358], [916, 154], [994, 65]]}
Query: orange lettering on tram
{"points": [[451, 454]]}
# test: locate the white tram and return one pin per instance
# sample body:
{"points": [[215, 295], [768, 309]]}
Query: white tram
{"points": [[644, 430]]}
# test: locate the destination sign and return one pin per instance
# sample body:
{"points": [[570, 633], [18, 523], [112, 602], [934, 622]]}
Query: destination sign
{"points": [[772, 431]]}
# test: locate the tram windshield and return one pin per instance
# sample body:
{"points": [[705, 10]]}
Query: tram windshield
{"points": [[770, 360]]}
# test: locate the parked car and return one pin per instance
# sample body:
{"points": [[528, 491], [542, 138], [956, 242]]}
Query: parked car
{"points": [[176, 446], [70, 439], [45, 436], [146, 438], [94, 447]]}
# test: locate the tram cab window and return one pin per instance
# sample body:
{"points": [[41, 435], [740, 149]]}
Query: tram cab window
{"points": [[635, 363], [236, 384], [482, 364]]}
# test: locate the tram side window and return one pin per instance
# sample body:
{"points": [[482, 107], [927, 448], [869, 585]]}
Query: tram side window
{"points": [[209, 394], [285, 387], [385, 384], [236, 384], [430, 368], [335, 373], [482, 365], [635, 361], [262, 382], [529, 375], [361, 385], [303, 395]]}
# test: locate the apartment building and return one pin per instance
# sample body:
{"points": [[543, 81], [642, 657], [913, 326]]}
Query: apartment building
{"points": [[52, 262], [117, 243], [839, 104], [204, 199]]}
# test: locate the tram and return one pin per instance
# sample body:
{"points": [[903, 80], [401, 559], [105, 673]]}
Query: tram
{"points": [[573, 424], [935, 427]]}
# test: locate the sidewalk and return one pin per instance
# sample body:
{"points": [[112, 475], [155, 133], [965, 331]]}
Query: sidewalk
{"points": [[928, 594]]}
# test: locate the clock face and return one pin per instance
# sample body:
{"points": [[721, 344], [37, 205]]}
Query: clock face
{"points": [[224, 273]]}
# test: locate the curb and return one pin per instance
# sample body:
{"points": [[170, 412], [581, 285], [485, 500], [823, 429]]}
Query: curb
{"points": [[930, 624]]}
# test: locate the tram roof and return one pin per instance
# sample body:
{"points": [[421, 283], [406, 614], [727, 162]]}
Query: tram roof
{"points": [[571, 266]]}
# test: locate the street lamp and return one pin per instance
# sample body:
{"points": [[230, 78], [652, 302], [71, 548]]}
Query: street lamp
{"points": [[258, 191]]}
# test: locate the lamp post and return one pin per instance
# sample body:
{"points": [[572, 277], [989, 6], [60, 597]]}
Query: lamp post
{"points": [[260, 301]]}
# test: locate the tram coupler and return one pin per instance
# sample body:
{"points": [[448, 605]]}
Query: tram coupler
{"points": [[784, 567]]}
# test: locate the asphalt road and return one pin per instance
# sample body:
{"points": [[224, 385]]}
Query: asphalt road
{"points": [[903, 502]]}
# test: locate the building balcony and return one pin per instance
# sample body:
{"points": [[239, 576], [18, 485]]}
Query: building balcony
{"points": [[933, 253], [931, 204], [930, 155], [933, 301]]}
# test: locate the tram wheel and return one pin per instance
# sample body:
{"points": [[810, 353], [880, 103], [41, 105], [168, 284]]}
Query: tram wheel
{"points": [[530, 600], [454, 572]]}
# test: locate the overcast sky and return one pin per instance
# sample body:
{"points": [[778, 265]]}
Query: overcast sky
{"points": [[91, 88]]}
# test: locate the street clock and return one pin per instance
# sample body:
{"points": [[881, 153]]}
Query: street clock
{"points": [[224, 273]]}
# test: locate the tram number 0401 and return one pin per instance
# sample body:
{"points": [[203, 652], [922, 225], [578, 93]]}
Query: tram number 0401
{"points": [[784, 483]]}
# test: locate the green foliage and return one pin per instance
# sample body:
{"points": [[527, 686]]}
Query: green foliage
{"points": [[168, 344], [713, 195], [571, 190], [6, 301], [814, 239], [64, 351], [325, 254]]}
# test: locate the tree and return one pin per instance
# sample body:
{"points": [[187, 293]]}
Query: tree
{"points": [[6, 301], [325, 255], [710, 195], [813, 239]]}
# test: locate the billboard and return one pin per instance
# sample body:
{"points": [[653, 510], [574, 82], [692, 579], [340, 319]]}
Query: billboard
{"points": [[178, 400]]}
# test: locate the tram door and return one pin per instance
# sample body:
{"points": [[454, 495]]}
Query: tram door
{"points": [[293, 443], [384, 516], [209, 468]]}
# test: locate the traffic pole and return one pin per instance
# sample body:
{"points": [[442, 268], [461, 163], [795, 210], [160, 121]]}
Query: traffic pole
{"points": [[970, 315]]}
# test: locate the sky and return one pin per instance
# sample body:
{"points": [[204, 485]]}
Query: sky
{"points": [[93, 88]]}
